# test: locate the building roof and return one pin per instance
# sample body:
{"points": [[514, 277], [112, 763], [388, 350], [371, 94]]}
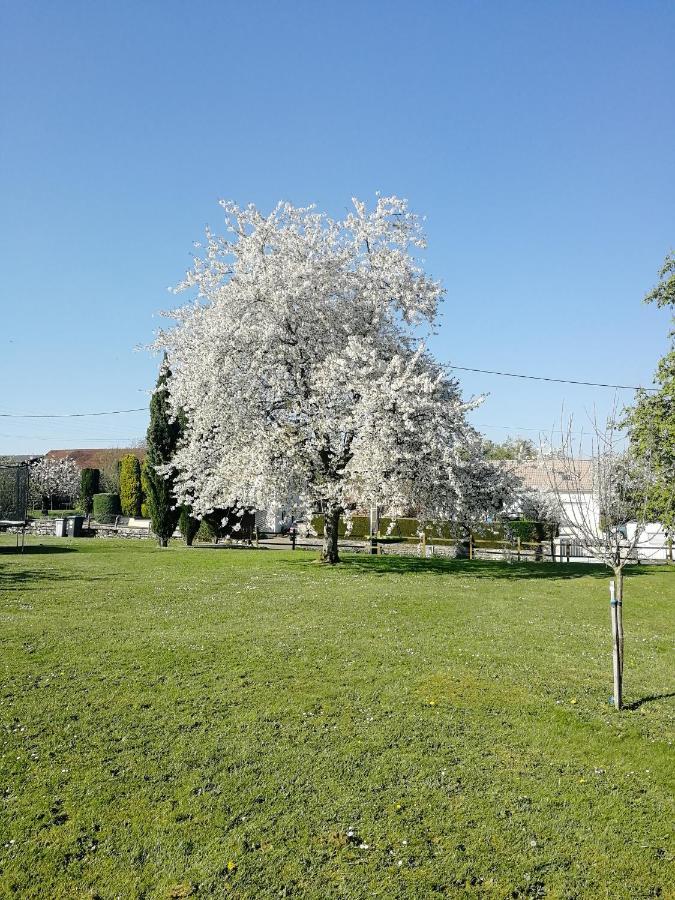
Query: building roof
{"points": [[97, 457], [544, 473]]}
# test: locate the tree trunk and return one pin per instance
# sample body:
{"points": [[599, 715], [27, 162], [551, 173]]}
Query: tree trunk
{"points": [[163, 542], [329, 552]]}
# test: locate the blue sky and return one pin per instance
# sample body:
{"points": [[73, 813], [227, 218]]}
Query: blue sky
{"points": [[537, 137]]}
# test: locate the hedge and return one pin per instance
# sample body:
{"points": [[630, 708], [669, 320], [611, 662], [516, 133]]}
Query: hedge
{"points": [[106, 507], [488, 533]]}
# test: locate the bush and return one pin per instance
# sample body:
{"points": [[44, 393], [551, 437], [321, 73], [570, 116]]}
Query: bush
{"points": [[106, 507], [188, 525], [204, 532]]}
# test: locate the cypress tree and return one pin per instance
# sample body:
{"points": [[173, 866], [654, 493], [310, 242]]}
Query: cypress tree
{"points": [[162, 439], [89, 485], [131, 492]]}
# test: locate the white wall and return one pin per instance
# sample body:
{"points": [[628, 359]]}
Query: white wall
{"points": [[653, 542], [578, 509]]}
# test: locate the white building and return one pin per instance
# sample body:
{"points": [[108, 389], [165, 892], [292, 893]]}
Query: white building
{"points": [[580, 504]]}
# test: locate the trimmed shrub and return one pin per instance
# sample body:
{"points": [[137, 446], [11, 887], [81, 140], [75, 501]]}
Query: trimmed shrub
{"points": [[188, 525], [204, 532], [131, 492], [106, 508], [90, 484]]}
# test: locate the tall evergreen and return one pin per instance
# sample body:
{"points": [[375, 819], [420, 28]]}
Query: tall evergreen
{"points": [[162, 439], [131, 493], [89, 485]]}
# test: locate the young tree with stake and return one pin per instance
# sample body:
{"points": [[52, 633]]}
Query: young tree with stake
{"points": [[621, 484]]}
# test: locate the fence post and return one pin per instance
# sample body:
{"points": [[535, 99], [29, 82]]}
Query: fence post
{"points": [[471, 545], [567, 551], [670, 549], [518, 548]]}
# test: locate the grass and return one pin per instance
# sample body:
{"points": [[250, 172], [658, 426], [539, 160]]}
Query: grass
{"points": [[214, 722]]}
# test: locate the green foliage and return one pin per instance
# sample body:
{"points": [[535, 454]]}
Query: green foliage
{"points": [[110, 475], [162, 438], [253, 706], [664, 292], [131, 491], [530, 532], [189, 526], [651, 427], [651, 421], [90, 480], [205, 532], [518, 448], [106, 507]]}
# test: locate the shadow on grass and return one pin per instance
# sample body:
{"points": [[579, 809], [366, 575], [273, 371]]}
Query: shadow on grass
{"points": [[651, 699], [478, 568], [35, 550]]}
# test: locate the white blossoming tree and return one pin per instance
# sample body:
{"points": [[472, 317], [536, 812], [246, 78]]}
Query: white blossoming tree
{"points": [[50, 477], [302, 376]]}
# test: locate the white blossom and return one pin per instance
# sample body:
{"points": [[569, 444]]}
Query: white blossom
{"points": [[303, 377]]}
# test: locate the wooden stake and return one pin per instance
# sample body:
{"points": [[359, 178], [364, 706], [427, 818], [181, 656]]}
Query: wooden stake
{"points": [[616, 655]]}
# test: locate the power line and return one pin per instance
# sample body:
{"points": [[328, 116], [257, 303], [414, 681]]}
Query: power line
{"points": [[621, 387], [110, 412], [542, 431], [119, 412]]}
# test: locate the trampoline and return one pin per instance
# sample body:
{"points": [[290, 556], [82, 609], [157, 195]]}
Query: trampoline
{"points": [[14, 483]]}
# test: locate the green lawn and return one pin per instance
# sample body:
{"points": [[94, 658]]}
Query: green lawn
{"points": [[220, 722]]}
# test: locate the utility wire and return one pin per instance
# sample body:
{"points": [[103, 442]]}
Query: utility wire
{"points": [[622, 387], [119, 412], [110, 412]]}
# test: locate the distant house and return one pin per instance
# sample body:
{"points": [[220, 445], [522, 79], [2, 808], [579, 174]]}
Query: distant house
{"points": [[96, 458], [580, 503], [574, 487]]}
